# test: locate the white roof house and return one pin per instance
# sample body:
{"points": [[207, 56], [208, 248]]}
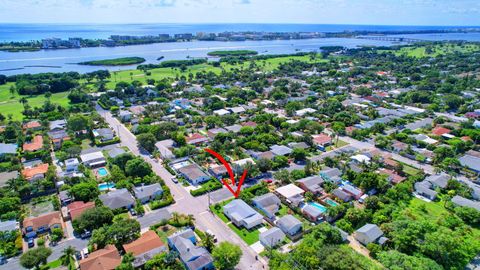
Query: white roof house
{"points": [[291, 193], [360, 158], [302, 112], [242, 214], [93, 159], [221, 112]]}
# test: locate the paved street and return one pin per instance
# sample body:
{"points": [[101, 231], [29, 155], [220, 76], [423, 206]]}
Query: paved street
{"points": [[365, 145], [185, 203]]}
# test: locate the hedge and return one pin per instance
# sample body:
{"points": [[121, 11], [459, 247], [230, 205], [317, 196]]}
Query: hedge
{"points": [[99, 143], [210, 185]]}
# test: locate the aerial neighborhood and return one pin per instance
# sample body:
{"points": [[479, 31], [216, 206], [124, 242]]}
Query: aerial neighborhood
{"points": [[355, 159]]}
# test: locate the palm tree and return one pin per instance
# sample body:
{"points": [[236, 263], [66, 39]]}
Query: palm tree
{"points": [[208, 242], [23, 100], [68, 257], [175, 217]]}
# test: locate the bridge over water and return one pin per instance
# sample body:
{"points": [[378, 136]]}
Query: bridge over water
{"points": [[390, 38]]}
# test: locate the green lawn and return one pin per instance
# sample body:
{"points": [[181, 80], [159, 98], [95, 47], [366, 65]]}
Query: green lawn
{"points": [[9, 104], [219, 211], [249, 236], [53, 264], [410, 170], [165, 231], [436, 50]]}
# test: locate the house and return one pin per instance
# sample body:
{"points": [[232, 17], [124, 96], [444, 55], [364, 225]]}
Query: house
{"points": [[355, 192], [291, 194], [367, 234], [6, 176], [464, 202], [299, 145], [249, 124], [93, 160], [333, 175], [322, 141], [103, 259], [65, 197], [42, 224], [193, 173], [438, 180], [196, 139], [148, 192], [214, 131], [271, 237], [8, 149], [35, 145], [221, 112], [35, 173], [342, 195], [192, 256], [71, 164], [164, 148], [471, 162], [311, 184], [32, 125], [241, 214], [8, 226], [268, 203], [312, 213], [360, 159], [125, 116], [238, 109], [218, 171], [144, 248], [290, 225], [440, 131], [302, 112], [234, 128], [103, 134], [280, 150], [115, 152], [116, 199], [137, 110], [424, 138], [399, 146], [392, 176], [424, 188], [76, 209], [263, 155], [57, 125], [58, 137]]}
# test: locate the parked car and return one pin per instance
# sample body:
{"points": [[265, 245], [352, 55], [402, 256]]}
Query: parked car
{"points": [[268, 181], [85, 253], [174, 179], [31, 242], [208, 231], [78, 255], [133, 212], [86, 234]]}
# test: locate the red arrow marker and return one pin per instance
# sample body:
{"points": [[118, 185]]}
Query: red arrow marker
{"points": [[235, 193]]}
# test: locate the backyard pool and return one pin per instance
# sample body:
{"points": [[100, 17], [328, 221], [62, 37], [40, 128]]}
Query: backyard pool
{"points": [[102, 172], [331, 202], [105, 186], [320, 207]]}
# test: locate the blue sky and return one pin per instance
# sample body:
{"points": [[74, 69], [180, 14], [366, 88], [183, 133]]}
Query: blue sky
{"points": [[385, 12]]}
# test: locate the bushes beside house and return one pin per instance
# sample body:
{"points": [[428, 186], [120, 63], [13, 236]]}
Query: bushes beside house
{"points": [[210, 185]]}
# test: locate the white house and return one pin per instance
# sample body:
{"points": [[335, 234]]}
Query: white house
{"points": [[241, 214]]}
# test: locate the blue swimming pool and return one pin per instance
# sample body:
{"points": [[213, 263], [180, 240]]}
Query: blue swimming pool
{"points": [[102, 172], [105, 186], [331, 202], [320, 207]]}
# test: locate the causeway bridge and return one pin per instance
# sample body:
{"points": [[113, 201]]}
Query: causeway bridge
{"points": [[390, 38]]}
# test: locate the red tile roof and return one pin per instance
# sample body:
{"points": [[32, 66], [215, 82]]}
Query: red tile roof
{"points": [[77, 208], [49, 219], [249, 124], [439, 131], [148, 241], [31, 172], [195, 137], [321, 139], [34, 145], [102, 259], [32, 124]]}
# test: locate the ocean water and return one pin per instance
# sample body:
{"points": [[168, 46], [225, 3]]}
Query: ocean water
{"points": [[67, 59], [26, 32]]}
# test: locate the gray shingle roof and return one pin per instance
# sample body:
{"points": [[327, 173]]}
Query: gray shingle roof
{"points": [[8, 148], [312, 183], [464, 202], [287, 222], [269, 202], [280, 150], [470, 162], [9, 225], [371, 231], [147, 191], [117, 199]]}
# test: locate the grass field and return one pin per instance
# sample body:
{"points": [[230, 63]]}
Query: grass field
{"points": [[248, 236], [435, 50], [9, 104]]}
